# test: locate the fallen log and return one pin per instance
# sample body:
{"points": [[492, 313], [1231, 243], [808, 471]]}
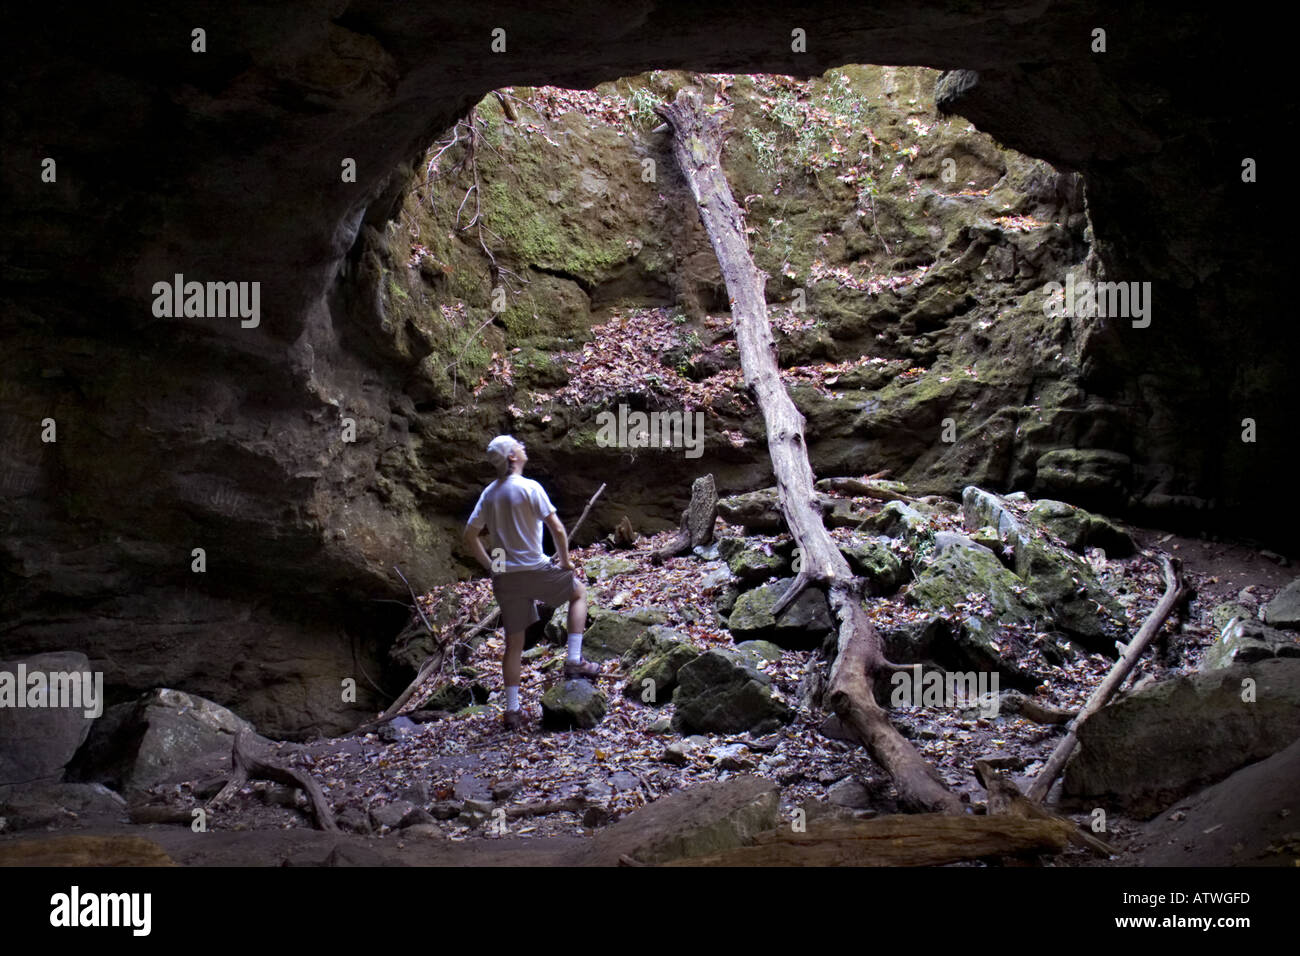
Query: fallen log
{"points": [[543, 807], [923, 839], [864, 488], [1005, 799], [245, 766], [1175, 593], [697, 144], [1014, 702]]}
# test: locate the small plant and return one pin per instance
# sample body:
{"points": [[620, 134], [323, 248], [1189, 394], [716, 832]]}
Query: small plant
{"points": [[691, 340], [765, 152], [640, 108]]}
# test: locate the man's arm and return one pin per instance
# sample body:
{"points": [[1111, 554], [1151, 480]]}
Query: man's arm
{"points": [[561, 540], [473, 541]]}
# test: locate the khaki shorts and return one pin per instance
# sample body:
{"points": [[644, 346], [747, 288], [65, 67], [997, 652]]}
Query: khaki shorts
{"points": [[518, 591]]}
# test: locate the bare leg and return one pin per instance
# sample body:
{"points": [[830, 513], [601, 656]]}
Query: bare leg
{"points": [[578, 608], [510, 665]]}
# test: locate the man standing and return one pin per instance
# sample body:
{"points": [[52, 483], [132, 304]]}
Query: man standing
{"points": [[513, 509]]}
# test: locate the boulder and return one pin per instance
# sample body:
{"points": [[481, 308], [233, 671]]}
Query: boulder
{"points": [[1061, 582], [758, 564], [36, 805], [1284, 610], [969, 575], [40, 741], [136, 745], [758, 512], [601, 567], [801, 626], [849, 793], [722, 692], [656, 638], [661, 669], [1079, 529], [1244, 640], [699, 821], [572, 704], [1224, 614], [873, 559], [1174, 737], [755, 651], [609, 633], [391, 814], [1095, 475], [899, 520]]}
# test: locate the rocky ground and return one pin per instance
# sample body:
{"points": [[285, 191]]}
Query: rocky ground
{"points": [[456, 774]]}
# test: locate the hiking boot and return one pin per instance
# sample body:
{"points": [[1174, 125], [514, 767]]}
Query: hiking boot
{"points": [[584, 668], [514, 720]]}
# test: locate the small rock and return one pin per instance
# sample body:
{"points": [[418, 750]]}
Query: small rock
{"points": [[427, 830], [849, 793], [476, 806], [354, 819], [506, 789], [445, 809], [391, 814], [623, 780], [1002, 761], [417, 792], [677, 753], [596, 816], [416, 817]]}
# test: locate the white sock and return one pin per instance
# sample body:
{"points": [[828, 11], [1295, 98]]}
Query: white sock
{"points": [[512, 698], [575, 648]]}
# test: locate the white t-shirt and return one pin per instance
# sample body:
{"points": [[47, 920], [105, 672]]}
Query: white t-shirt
{"points": [[512, 509]]}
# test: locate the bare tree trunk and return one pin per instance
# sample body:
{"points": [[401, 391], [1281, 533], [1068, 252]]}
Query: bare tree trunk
{"points": [[697, 144], [1175, 594]]}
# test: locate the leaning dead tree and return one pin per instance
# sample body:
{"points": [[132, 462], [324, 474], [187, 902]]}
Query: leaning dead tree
{"points": [[697, 145]]}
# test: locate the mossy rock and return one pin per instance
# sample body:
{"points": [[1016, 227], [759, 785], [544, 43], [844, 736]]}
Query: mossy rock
{"points": [[660, 667], [609, 633], [721, 692], [725, 602], [1092, 474], [959, 572], [801, 626], [656, 638], [602, 567], [1223, 614], [1067, 586], [899, 520], [1079, 529], [756, 651], [756, 564], [1244, 641], [572, 705], [874, 560]]}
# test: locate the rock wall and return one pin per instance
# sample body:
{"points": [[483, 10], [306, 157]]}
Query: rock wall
{"points": [[177, 433]]}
